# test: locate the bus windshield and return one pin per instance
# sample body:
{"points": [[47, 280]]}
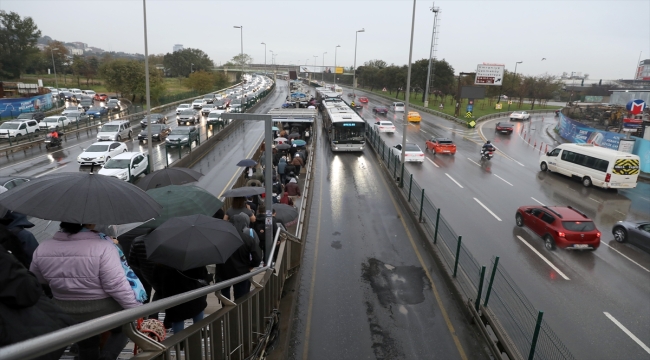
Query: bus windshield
{"points": [[348, 132]]}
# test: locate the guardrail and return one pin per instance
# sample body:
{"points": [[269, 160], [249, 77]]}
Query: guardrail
{"points": [[517, 329]]}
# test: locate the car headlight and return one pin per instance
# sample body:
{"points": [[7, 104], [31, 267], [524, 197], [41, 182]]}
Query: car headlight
{"points": [[101, 157], [122, 176], [185, 139], [79, 158], [177, 117]]}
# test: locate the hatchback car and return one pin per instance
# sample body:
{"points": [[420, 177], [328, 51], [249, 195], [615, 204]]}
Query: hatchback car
{"points": [[413, 116], [97, 111], [441, 146], [187, 117], [519, 115], [206, 109], [363, 99], [182, 135], [413, 153], [100, 97], [182, 107], [155, 119], [380, 110], [634, 232], [100, 152], [504, 128], [159, 132], [126, 166], [560, 226]]}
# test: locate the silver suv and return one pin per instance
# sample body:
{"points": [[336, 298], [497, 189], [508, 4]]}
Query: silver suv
{"points": [[115, 130]]}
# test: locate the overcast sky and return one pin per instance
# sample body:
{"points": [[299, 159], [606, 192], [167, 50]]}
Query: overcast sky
{"points": [[601, 38]]}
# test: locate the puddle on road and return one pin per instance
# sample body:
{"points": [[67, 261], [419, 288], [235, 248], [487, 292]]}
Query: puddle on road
{"points": [[402, 285], [337, 245]]}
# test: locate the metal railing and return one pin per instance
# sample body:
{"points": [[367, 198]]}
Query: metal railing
{"points": [[493, 298], [236, 331]]}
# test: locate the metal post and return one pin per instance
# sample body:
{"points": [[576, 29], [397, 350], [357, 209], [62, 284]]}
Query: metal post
{"points": [[457, 255], [480, 289], [180, 149], [421, 205], [435, 233], [56, 80], [408, 87], [336, 48], [354, 71], [401, 177], [410, 186], [388, 161], [489, 289], [146, 80], [322, 73], [395, 167], [513, 82], [166, 156], [531, 355], [433, 43]]}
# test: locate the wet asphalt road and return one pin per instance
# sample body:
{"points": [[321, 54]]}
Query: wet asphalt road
{"points": [[366, 289], [615, 279]]}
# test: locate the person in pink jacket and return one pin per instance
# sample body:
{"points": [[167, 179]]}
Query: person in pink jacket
{"points": [[87, 280]]}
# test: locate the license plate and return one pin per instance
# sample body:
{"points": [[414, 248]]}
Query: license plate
{"points": [[87, 163], [580, 246], [505, 131]]}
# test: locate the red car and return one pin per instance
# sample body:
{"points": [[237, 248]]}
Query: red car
{"points": [[363, 99], [441, 146], [504, 128], [100, 97], [561, 226]]}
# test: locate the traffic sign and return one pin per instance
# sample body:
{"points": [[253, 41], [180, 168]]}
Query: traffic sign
{"points": [[468, 114], [471, 123], [509, 102], [384, 90], [470, 108], [489, 74], [498, 106]]}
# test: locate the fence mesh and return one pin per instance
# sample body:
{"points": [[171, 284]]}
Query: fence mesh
{"points": [[515, 314]]}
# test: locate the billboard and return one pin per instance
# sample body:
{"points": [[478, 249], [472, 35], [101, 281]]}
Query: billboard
{"points": [[489, 74], [321, 69], [12, 107], [472, 92], [339, 70], [579, 133]]}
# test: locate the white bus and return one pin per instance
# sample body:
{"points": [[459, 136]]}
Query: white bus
{"points": [[593, 165], [345, 127]]}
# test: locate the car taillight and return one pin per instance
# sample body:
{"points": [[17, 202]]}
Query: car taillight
{"points": [[608, 177], [421, 155], [561, 234], [598, 234]]}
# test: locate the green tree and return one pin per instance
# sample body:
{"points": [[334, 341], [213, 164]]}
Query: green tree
{"points": [[18, 39], [79, 67], [201, 81], [182, 62], [241, 59], [128, 78]]}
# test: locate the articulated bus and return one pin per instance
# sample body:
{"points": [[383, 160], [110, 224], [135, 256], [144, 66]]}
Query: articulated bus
{"points": [[345, 127]]}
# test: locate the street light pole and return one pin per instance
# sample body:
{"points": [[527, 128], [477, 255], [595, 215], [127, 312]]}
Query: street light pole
{"points": [[408, 92], [315, 57], [336, 48], [354, 71], [513, 81], [265, 57], [322, 74], [241, 54], [435, 11], [54, 66], [147, 91]]}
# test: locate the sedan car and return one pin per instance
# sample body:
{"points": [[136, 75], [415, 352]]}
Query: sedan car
{"points": [[214, 117], [159, 132], [155, 119], [634, 232], [441, 146], [100, 152], [113, 105], [54, 122], [560, 226], [66, 96], [100, 97], [188, 116], [413, 116], [36, 115], [182, 135], [76, 117], [206, 109], [413, 153], [519, 115], [182, 107], [504, 128], [208, 99], [363, 99], [380, 110], [86, 102], [385, 127], [126, 166], [10, 182], [72, 108], [197, 104], [97, 111]]}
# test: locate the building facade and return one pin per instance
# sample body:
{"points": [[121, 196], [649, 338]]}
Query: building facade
{"points": [[643, 71], [178, 47]]}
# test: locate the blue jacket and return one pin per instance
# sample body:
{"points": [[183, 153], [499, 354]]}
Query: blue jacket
{"points": [[17, 226], [281, 166]]}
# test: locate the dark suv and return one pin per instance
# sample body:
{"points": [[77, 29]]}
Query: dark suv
{"points": [[561, 226], [37, 115]]}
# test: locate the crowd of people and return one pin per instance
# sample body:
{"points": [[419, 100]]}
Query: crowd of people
{"points": [[81, 274]]}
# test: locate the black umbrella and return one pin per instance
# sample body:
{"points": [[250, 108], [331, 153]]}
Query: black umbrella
{"points": [[189, 242], [283, 146], [287, 214], [294, 135], [244, 191], [82, 198], [169, 176], [247, 162]]}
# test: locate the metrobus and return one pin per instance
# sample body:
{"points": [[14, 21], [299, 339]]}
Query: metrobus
{"points": [[345, 127]]}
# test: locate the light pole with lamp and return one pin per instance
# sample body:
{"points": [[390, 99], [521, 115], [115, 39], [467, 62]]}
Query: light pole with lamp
{"points": [[54, 66], [336, 48], [322, 74], [147, 91], [407, 97], [354, 71], [264, 56], [241, 54], [513, 81], [315, 57]]}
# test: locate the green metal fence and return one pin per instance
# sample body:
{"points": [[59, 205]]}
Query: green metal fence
{"points": [[531, 335]]}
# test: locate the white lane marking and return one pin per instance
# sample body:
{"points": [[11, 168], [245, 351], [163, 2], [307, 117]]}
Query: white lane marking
{"points": [[452, 179], [488, 210], [628, 332], [543, 258], [620, 212], [537, 201], [598, 201], [477, 164], [49, 171], [434, 164], [644, 198], [504, 180], [625, 256]]}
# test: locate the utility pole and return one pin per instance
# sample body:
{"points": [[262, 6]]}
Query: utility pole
{"points": [[432, 54], [336, 48], [407, 94], [354, 71], [322, 74], [515, 79], [458, 100], [147, 91]]}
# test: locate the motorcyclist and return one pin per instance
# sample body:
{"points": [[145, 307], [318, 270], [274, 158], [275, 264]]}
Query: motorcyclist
{"points": [[352, 104], [487, 147], [54, 135]]}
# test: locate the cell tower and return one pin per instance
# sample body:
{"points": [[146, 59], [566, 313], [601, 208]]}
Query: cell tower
{"points": [[432, 53]]}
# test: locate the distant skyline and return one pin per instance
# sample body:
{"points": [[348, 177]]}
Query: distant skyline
{"points": [[578, 36]]}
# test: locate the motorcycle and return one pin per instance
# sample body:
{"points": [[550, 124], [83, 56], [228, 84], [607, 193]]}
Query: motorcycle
{"points": [[557, 113], [52, 142], [487, 154]]}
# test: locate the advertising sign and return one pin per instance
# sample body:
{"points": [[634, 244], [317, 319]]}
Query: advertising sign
{"points": [[12, 107], [626, 145], [339, 70], [635, 106], [312, 69], [579, 133], [489, 74]]}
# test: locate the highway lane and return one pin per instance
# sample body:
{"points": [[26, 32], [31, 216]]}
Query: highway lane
{"points": [[596, 280], [367, 287]]}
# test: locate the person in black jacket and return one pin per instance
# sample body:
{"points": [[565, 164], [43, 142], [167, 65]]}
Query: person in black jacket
{"points": [[25, 312], [17, 223], [242, 261]]}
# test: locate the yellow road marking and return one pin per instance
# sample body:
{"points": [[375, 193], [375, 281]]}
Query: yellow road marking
{"points": [[305, 351], [235, 174], [434, 289]]}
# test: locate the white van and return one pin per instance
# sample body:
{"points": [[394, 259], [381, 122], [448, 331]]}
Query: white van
{"points": [[115, 131], [593, 165], [398, 106]]}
